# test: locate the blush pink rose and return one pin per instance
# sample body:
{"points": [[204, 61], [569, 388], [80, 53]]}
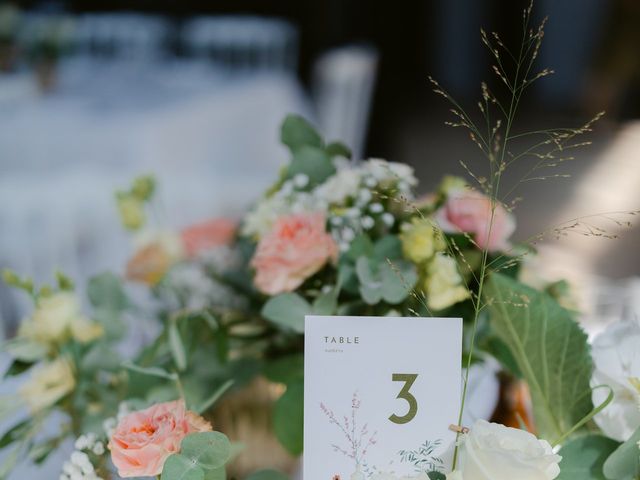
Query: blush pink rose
{"points": [[143, 440], [470, 212], [206, 235], [296, 247]]}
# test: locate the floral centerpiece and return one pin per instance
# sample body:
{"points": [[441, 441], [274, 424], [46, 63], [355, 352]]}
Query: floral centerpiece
{"points": [[332, 236]]}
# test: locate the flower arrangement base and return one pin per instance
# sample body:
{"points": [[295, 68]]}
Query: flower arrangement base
{"points": [[245, 417]]}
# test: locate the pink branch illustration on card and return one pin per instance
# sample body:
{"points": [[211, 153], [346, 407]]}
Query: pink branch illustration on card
{"points": [[357, 439]]}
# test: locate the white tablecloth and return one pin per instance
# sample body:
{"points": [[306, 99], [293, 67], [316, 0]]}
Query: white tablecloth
{"points": [[210, 138]]}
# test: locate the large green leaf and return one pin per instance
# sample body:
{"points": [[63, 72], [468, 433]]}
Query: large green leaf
{"points": [[288, 418], [550, 349], [583, 457], [624, 463], [105, 291], [382, 280], [287, 310]]}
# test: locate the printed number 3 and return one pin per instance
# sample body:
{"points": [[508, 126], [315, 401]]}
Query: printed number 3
{"points": [[408, 379]]}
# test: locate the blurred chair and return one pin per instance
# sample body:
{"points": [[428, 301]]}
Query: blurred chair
{"points": [[343, 83], [243, 42], [121, 35]]}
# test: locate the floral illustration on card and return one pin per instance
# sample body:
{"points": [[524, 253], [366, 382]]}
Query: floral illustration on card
{"points": [[358, 439]]}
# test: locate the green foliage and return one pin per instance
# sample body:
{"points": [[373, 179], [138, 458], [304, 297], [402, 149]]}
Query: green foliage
{"points": [[288, 417], [624, 462], [143, 187], [12, 279], [391, 282], [338, 149], [583, 457], [285, 369], [436, 476], [289, 309], [109, 300], [267, 475], [313, 162], [64, 282], [175, 344], [296, 133], [549, 348], [24, 350], [202, 456]]}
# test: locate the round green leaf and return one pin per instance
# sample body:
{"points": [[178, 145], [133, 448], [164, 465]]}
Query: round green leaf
{"points": [[209, 450], [179, 467]]}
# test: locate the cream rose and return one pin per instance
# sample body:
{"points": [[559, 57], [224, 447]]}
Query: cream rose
{"points": [[58, 317], [49, 383], [494, 452], [616, 354], [444, 286]]}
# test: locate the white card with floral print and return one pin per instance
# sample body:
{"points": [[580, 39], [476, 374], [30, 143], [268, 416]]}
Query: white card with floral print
{"points": [[379, 395]]}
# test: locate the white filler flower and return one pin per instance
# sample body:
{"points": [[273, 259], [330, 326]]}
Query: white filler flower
{"points": [[494, 452], [616, 354]]}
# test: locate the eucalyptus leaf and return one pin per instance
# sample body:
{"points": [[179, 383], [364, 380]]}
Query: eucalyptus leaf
{"points": [[624, 462], [383, 281], [550, 350], [179, 467], [312, 162], [296, 132], [338, 149], [288, 418], [105, 291], [326, 303], [583, 457], [215, 474], [287, 310], [209, 450]]}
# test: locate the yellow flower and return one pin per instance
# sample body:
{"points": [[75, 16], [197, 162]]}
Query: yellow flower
{"points": [[421, 239], [131, 211], [48, 383], [443, 285], [58, 317]]}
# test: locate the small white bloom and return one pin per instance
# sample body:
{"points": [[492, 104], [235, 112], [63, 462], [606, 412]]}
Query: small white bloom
{"points": [[364, 196], [336, 221], [617, 362], [376, 208], [495, 452], [98, 448], [348, 234], [339, 187], [388, 219], [367, 222], [300, 180], [353, 212], [370, 182]]}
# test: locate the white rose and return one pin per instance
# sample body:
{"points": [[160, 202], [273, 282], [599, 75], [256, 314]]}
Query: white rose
{"points": [[494, 452], [444, 285], [49, 382], [616, 354]]}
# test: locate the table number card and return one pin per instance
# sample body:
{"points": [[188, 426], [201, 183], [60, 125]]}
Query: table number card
{"points": [[380, 394]]}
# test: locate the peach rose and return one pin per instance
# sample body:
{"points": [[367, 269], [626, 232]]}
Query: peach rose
{"points": [[204, 236], [143, 440], [296, 247], [470, 212]]}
